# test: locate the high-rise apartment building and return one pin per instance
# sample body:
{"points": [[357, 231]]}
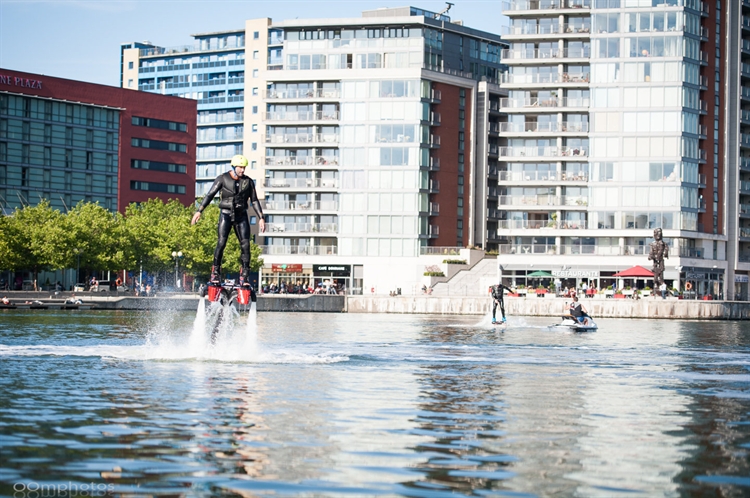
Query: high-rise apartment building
{"points": [[625, 116], [360, 132]]}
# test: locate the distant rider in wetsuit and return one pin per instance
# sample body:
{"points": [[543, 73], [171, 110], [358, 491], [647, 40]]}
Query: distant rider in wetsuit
{"points": [[497, 298], [236, 191]]}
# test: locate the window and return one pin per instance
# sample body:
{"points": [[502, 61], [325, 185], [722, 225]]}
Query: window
{"points": [[158, 145], [254, 128], [255, 54], [256, 35], [254, 146], [157, 187], [130, 83], [130, 65], [158, 123], [253, 164], [255, 109], [255, 73], [158, 166], [255, 90]]}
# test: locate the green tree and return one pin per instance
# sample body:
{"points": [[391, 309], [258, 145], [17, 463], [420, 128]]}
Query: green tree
{"points": [[97, 235], [40, 231]]}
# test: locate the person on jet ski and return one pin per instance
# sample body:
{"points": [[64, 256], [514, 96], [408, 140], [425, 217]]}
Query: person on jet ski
{"points": [[578, 312]]}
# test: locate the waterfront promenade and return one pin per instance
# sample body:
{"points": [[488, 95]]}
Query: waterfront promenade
{"points": [[650, 307]]}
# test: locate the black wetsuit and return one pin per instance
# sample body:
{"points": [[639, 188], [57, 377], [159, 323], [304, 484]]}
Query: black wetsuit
{"points": [[235, 196], [497, 298]]}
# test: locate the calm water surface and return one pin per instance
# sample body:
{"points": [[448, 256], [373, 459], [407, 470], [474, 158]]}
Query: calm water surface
{"points": [[372, 405]]}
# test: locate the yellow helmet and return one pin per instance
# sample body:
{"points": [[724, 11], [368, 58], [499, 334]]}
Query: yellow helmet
{"points": [[239, 161]]}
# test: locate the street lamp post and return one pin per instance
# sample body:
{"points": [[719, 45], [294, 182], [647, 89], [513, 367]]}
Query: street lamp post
{"points": [[78, 266], [176, 255]]}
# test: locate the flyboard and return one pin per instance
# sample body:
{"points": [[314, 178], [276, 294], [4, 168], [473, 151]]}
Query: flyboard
{"points": [[226, 298], [570, 323]]}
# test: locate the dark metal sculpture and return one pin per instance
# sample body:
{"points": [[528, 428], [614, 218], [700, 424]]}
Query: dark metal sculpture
{"points": [[658, 253]]}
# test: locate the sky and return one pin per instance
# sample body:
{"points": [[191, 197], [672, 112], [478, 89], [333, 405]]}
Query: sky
{"points": [[80, 39]]}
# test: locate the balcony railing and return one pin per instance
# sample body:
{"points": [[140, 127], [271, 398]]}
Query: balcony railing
{"points": [[302, 227], [745, 186], [181, 49], [745, 163], [545, 102], [305, 250], [442, 250], [691, 252], [745, 233], [534, 127], [279, 161], [527, 249], [307, 205], [542, 151], [542, 200], [534, 30], [540, 224], [510, 54], [548, 4], [302, 138], [302, 116], [300, 183], [745, 209], [306, 93]]}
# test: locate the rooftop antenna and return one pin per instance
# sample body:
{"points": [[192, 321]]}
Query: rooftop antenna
{"points": [[445, 10]]}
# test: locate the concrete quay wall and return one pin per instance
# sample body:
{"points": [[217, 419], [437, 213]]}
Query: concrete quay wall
{"points": [[533, 306]]}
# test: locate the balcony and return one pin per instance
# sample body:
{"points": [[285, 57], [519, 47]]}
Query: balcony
{"points": [[528, 200], [745, 117], [302, 116], [745, 93], [516, 6], [434, 97], [744, 211], [541, 224], [301, 205], [543, 55], [434, 164], [527, 249], [433, 119], [701, 181], [691, 252], [745, 164], [744, 140], [183, 49], [433, 187], [301, 138], [530, 176], [283, 250], [433, 231], [531, 152], [282, 161], [302, 94], [273, 228], [745, 187], [300, 183], [552, 103], [552, 127], [434, 142]]}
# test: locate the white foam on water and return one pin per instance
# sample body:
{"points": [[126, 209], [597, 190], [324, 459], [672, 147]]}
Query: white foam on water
{"points": [[236, 340]]}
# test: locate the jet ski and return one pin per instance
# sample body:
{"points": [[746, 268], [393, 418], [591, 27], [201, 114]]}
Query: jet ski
{"points": [[570, 323]]}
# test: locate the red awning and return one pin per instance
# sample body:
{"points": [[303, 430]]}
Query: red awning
{"points": [[635, 272]]}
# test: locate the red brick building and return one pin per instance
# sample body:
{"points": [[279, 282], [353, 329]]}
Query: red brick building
{"points": [[68, 141]]}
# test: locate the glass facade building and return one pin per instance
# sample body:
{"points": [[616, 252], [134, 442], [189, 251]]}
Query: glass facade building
{"points": [[613, 126]]}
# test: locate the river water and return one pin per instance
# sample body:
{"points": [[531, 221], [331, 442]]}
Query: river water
{"points": [[371, 405]]}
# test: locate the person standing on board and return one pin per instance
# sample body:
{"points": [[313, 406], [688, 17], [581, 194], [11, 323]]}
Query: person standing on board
{"points": [[236, 191], [497, 299]]}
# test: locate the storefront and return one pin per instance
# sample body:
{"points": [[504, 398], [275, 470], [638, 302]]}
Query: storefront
{"points": [[285, 276], [702, 283], [333, 279], [740, 287]]}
